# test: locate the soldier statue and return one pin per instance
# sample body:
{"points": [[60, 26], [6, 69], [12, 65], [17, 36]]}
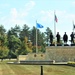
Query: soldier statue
{"points": [[65, 38], [51, 38], [58, 38], [72, 38]]}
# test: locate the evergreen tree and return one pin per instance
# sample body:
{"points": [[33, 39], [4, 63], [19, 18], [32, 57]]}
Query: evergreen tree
{"points": [[24, 32], [3, 43], [47, 32]]}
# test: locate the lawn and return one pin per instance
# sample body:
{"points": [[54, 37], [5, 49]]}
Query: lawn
{"points": [[13, 69]]}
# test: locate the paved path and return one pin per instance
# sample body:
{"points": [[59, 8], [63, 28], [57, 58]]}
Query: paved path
{"points": [[60, 63]]}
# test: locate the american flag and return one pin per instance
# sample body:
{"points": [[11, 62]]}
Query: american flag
{"points": [[56, 18]]}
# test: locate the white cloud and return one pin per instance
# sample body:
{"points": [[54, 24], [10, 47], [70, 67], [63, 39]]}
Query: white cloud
{"points": [[17, 16], [14, 13], [46, 16], [63, 16], [30, 5], [73, 2], [27, 8]]}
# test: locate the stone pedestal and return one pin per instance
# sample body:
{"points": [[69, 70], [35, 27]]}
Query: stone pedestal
{"points": [[60, 53]]}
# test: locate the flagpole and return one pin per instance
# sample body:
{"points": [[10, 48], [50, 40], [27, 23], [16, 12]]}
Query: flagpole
{"points": [[73, 26], [54, 28], [36, 38]]}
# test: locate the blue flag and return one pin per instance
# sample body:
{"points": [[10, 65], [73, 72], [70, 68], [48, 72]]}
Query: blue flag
{"points": [[39, 25]]}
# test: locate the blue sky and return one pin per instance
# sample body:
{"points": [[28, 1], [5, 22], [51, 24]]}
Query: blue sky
{"points": [[22, 12]]}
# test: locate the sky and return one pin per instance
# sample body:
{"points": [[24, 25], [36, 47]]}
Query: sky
{"points": [[22, 12]]}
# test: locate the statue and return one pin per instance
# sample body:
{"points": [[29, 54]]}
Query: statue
{"points": [[65, 38], [58, 38], [72, 38], [51, 38]]}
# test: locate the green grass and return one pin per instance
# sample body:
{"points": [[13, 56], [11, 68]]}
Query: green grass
{"points": [[13, 69]]}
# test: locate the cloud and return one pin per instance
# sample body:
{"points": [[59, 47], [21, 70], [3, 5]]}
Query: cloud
{"points": [[46, 15], [63, 16], [73, 2], [29, 5], [17, 16], [14, 13]]}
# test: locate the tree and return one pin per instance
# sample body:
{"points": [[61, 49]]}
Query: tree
{"points": [[24, 32], [13, 44], [3, 52], [40, 39], [26, 47], [14, 31], [2, 30], [48, 31], [3, 43], [33, 36]]}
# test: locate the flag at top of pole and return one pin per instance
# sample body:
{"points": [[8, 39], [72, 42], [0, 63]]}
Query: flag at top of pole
{"points": [[39, 25], [56, 18]]}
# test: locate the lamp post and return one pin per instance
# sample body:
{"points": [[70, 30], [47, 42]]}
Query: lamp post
{"points": [[41, 70]]}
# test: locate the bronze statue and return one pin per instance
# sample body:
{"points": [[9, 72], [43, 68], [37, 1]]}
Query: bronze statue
{"points": [[72, 38], [58, 37], [65, 38], [51, 38]]}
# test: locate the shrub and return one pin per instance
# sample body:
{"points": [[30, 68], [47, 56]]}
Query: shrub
{"points": [[70, 63]]}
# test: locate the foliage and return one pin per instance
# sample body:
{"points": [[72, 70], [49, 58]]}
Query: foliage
{"points": [[24, 32], [33, 36], [48, 31], [22, 40], [26, 47], [3, 43], [3, 52], [14, 31], [14, 44], [71, 63]]}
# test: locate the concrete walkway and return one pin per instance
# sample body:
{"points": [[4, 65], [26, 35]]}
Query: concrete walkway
{"points": [[60, 63]]}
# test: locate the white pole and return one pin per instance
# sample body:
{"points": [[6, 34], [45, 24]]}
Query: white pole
{"points": [[36, 38], [54, 28], [73, 26]]}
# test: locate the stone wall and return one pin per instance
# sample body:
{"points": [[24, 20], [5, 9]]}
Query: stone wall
{"points": [[22, 57], [36, 56], [60, 53], [32, 57]]}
